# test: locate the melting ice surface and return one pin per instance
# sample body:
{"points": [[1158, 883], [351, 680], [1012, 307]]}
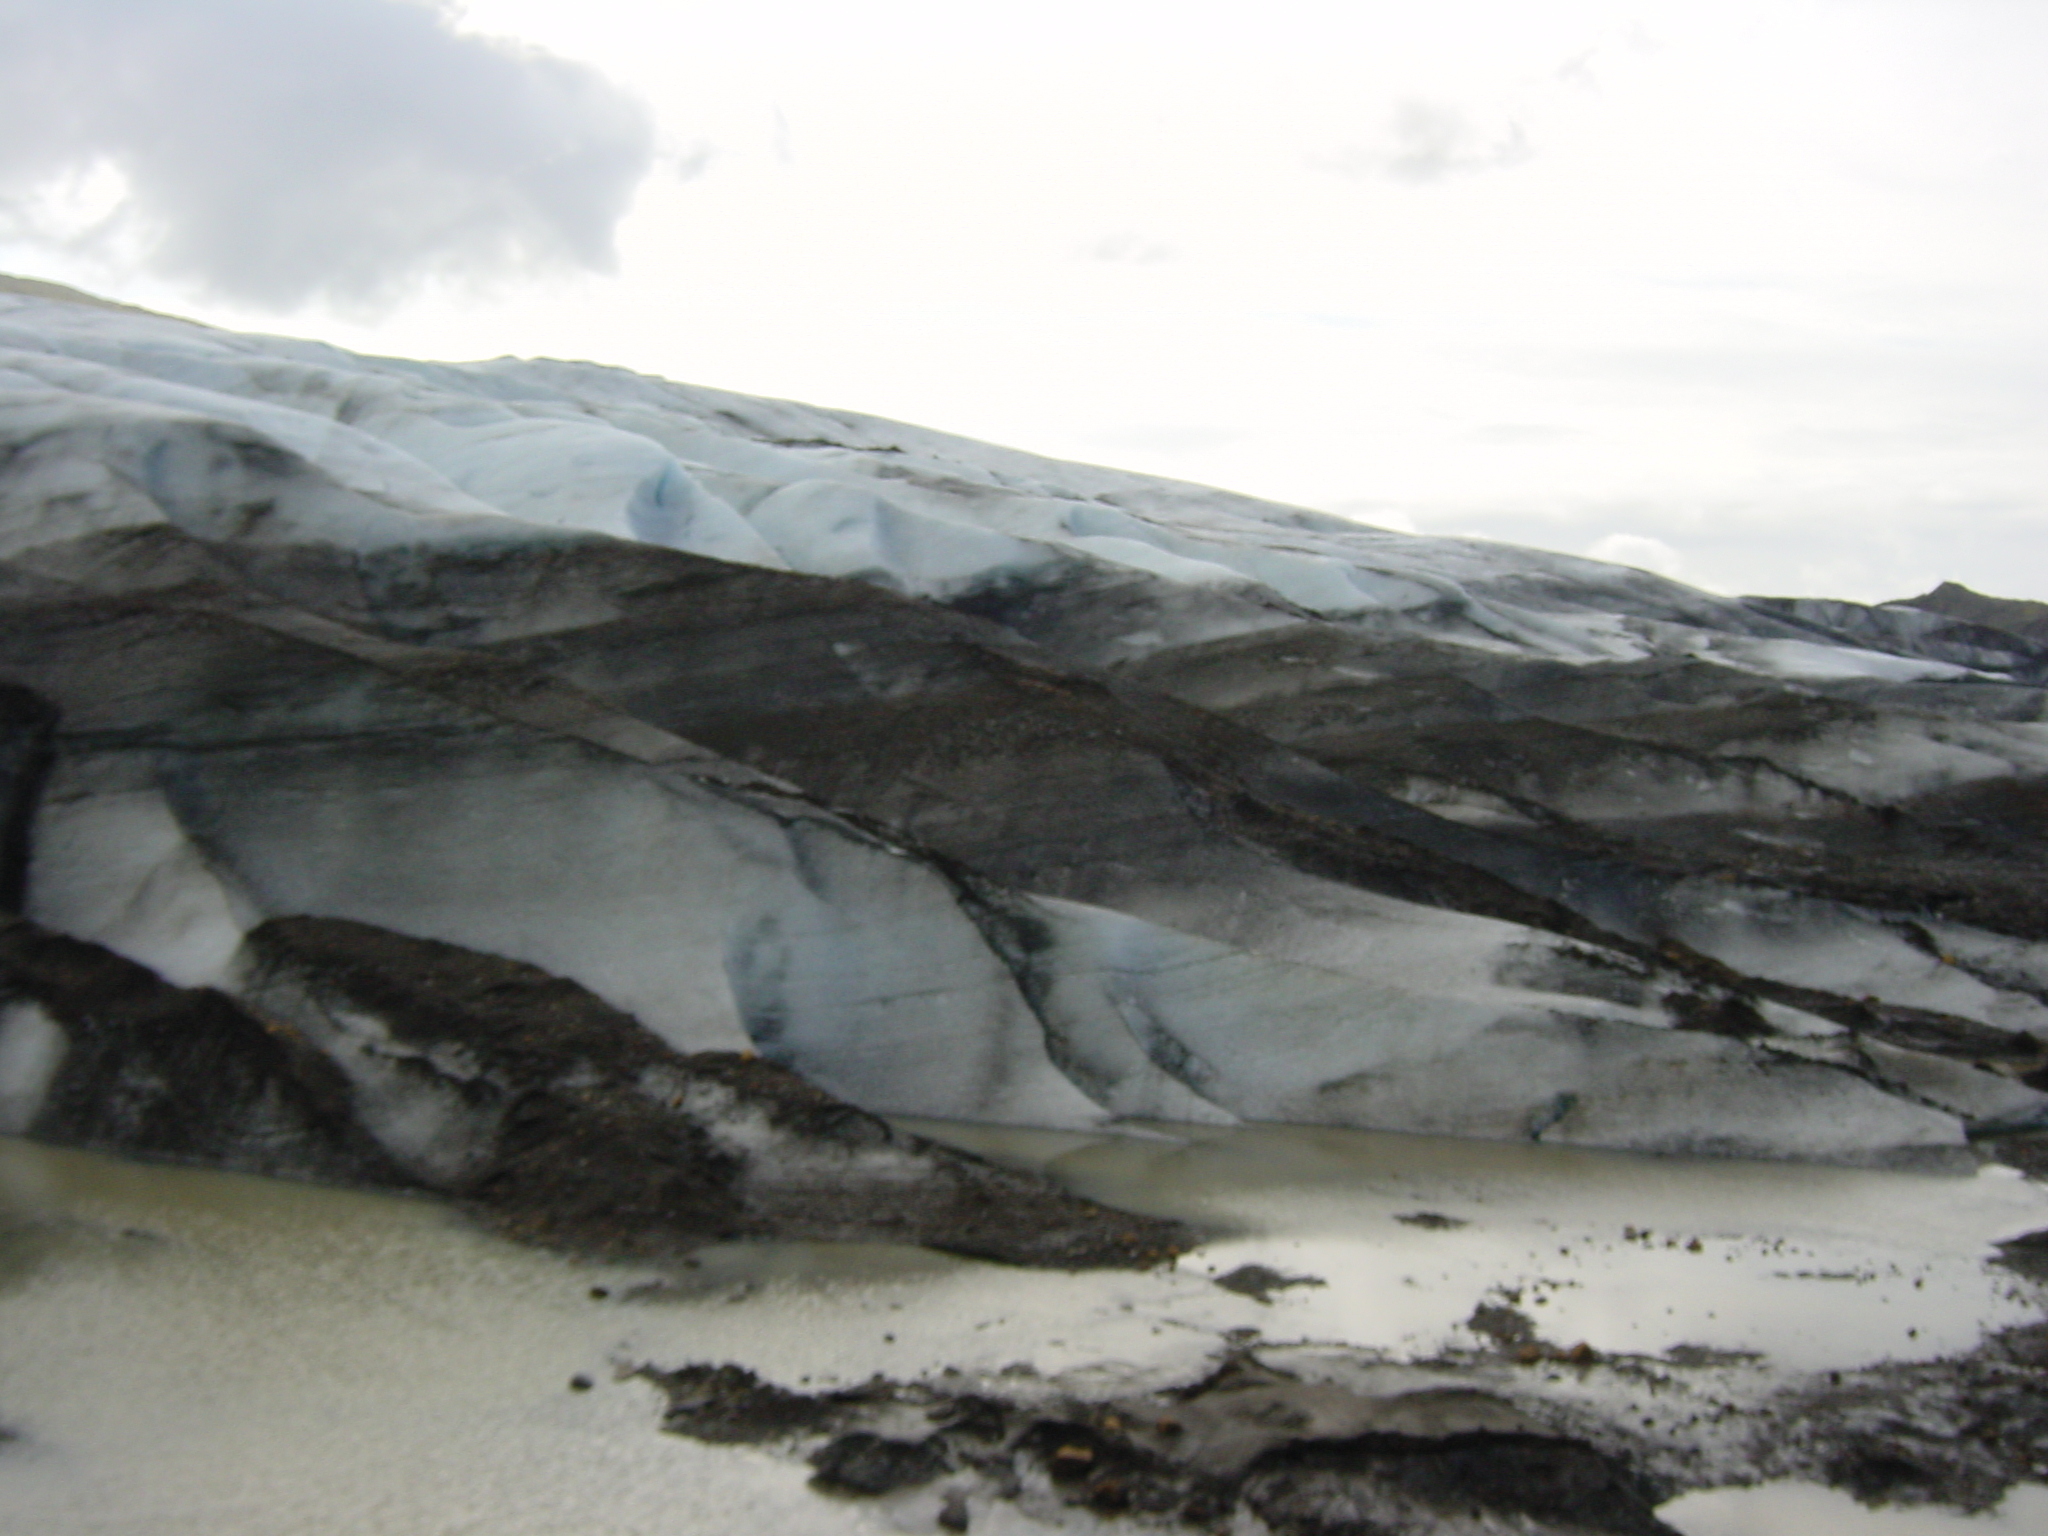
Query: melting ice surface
{"points": [[186, 1351]]}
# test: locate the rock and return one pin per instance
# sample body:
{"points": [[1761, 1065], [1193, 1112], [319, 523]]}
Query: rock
{"points": [[2025, 1255], [1390, 1482], [864, 1464], [2026, 1152], [1259, 1282], [730, 1405], [1505, 1325]]}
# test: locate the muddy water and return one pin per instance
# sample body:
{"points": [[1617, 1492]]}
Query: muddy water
{"points": [[192, 1352]]}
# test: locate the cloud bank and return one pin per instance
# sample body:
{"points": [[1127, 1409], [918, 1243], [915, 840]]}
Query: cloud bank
{"points": [[274, 152]]}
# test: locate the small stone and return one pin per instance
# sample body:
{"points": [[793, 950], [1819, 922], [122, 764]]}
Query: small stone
{"points": [[580, 1383], [1258, 1282], [1431, 1221], [1505, 1326], [1109, 1497]]}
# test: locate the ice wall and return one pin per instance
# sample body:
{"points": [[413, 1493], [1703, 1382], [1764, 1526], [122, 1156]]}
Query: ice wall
{"points": [[973, 784]]}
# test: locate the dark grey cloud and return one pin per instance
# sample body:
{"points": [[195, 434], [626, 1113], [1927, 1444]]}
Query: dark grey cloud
{"points": [[278, 151]]}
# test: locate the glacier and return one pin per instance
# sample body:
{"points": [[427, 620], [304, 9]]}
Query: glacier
{"points": [[967, 784]]}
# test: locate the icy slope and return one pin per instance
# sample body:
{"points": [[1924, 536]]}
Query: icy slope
{"points": [[971, 784]]}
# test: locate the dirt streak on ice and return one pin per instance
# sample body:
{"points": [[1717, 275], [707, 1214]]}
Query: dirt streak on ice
{"points": [[183, 1351]]}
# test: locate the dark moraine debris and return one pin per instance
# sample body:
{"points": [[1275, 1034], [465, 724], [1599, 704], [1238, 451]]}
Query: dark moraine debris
{"points": [[868, 1464], [1432, 1221], [2026, 1151], [730, 1405], [2026, 1255], [27, 724], [1315, 1457], [365, 1057], [187, 1075], [1399, 1483], [1958, 1431], [570, 1124], [1091, 1462], [1246, 1440]]}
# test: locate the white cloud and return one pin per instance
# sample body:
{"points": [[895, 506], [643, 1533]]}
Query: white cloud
{"points": [[1129, 246], [273, 153], [1427, 141], [690, 161], [1165, 439], [1433, 141], [1638, 550]]}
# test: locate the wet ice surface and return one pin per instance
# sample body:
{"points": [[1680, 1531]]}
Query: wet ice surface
{"points": [[184, 1351]]}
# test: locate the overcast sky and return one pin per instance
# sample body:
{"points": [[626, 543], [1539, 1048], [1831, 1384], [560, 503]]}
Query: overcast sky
{"points": [[1754, 294]]}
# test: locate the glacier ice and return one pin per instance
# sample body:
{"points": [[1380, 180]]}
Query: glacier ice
{"points": [[32, 1047], [970, 784]]}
